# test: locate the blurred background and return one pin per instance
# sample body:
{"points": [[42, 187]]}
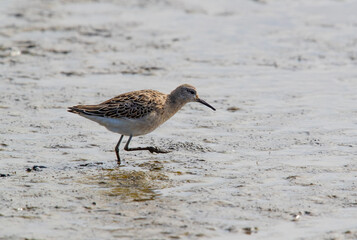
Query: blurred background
{"points": [[275, 161]]}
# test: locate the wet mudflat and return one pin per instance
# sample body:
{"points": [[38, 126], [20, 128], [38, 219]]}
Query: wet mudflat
{"points": [[276, 160]]}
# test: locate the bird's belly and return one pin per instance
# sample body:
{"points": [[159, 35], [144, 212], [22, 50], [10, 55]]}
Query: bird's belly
{"points": [[126, 126]]}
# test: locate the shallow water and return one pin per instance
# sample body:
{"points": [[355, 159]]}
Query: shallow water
{"points": [[276, 160]]}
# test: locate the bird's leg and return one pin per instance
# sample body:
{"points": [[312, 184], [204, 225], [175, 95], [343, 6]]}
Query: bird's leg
{"points": [[117, 149], [150, 149]]}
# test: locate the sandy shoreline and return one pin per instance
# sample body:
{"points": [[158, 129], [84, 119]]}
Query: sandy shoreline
{"points": [[276, 161]]}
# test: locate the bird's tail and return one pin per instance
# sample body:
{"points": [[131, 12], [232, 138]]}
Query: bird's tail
{"points": [[75, 109], [90, 110]]}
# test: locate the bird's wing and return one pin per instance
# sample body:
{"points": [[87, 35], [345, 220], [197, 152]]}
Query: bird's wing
{"points": [[129, 105]]}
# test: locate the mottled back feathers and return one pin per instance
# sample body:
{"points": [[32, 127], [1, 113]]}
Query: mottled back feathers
{"points": [[133, 105]]}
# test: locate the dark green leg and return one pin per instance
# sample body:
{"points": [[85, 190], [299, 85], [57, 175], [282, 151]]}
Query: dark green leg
{"points": [[117, 148], [150, 149]]}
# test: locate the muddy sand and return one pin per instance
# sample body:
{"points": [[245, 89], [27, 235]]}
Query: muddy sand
{"points": [[277, 160]]}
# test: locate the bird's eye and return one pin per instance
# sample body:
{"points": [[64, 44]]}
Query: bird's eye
{"points": [[191, 91]]}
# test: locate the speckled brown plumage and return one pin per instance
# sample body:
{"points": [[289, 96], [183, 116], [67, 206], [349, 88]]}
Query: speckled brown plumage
{"points": [[138, 113], [136, 104]]}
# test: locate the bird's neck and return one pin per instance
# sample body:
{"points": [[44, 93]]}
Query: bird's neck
{"points": [[173, 105]]}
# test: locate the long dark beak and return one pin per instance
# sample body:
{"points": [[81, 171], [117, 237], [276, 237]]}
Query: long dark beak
{"points": [[205, 103]]}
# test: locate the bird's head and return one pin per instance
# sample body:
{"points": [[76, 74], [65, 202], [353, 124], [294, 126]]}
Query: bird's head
{"points": [[188, 93]]}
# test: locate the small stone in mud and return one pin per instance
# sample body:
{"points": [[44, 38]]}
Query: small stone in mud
{"points": [[232, 229], [71, 73], [233, 109], [293, 177], [90, 164], [84, 164], [250, 230], [18, 15], [35, 168], [296, 217], [308, 213], [56, 51]]}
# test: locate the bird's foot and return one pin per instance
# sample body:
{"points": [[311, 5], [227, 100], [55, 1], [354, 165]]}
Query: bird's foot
{"points": [[157, 150]]}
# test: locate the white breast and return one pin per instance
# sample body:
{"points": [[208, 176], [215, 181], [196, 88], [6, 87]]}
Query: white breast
{"points": [[126, 126]]}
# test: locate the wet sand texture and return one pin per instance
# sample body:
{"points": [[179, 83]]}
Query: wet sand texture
{"points": [[277, 160]]}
